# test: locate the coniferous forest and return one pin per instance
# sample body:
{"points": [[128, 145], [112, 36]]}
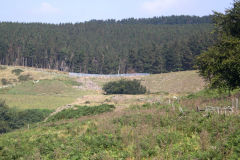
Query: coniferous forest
{"points": [[151, 45]]}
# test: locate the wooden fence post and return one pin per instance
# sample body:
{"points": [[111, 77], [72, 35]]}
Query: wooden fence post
{"points": [[236, 103]]}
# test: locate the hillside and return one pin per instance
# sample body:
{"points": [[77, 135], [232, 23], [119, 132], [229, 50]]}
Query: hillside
{"points": [[131, 45], [120, 89], [154, 125], [56, 89]]}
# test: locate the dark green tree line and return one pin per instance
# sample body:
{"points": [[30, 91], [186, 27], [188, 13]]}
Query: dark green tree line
{"points": [[154, 45]]}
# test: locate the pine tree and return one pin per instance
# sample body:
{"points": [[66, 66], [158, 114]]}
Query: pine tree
{"points": [[220, 64]]}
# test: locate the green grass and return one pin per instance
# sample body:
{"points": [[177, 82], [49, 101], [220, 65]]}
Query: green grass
{"points": [[48, 94], [49, 87], [36, 101]]}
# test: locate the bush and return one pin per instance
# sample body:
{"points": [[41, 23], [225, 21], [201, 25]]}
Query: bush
{"points": [[5, 81], [33, 115], [17, 72], [25, 77], [124, 87], [11, 119], [4, 127]]}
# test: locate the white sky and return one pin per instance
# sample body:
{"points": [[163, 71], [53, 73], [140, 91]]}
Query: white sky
{"points": [[61, 11]]}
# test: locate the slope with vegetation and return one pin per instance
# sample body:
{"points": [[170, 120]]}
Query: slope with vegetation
{"points": [[175, 126], [39, 89], [151, 131], [103, 129]]}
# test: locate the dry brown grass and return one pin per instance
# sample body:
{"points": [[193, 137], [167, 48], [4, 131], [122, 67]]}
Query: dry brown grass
{"points": [[174, 82], [160, 87], [202, 102], [35, 73]]}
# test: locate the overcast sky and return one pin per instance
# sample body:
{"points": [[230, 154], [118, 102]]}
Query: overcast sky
{"points": [[62, 11]]}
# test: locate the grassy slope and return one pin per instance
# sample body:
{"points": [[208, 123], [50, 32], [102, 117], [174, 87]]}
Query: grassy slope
{"points": [[157, 131], [53, 90], [174, 83], [140, 132]]}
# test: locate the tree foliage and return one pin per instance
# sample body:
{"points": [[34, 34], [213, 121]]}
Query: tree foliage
{"points": [[220, 64], [153, 45]]}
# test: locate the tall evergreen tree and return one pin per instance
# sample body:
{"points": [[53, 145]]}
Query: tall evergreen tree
{"points": [[220, 65]]}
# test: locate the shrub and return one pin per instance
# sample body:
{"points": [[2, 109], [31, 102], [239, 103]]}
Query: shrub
{"points": [[17, 72], [33, 115], [11, 119], [4, 127], [124, 87], [5, 81], [25, 77]]}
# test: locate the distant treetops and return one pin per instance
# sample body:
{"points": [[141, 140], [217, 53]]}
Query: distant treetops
{"points": [[146, 45]]}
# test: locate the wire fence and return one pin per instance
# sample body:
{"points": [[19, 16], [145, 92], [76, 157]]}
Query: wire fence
{"points": [[107, 75]]}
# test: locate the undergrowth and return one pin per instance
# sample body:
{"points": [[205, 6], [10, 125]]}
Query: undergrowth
{"points": [[11, 118], [142, 132], [79, 111]]}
